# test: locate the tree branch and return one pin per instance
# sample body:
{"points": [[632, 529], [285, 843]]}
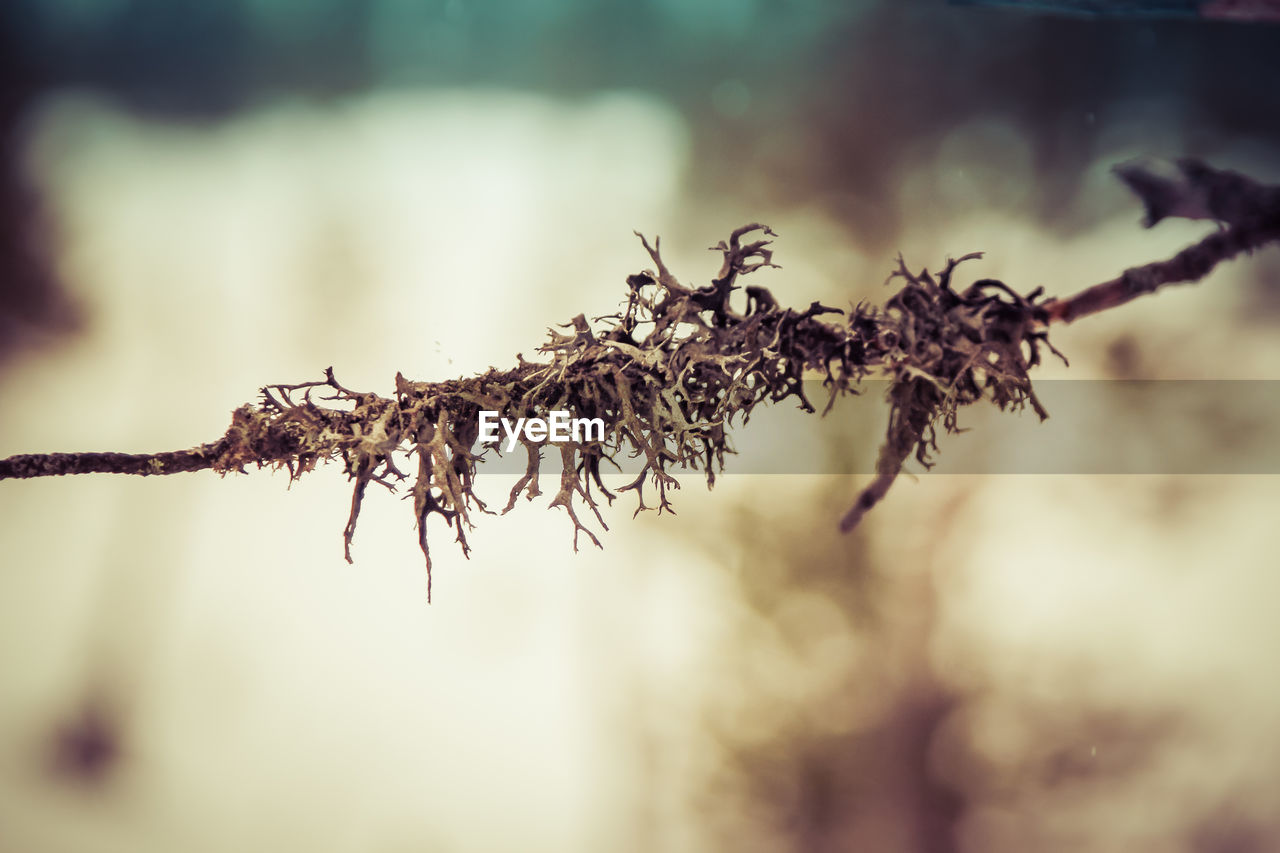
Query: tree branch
{"points": [[1248, 213], [27, 465], [669, 373]]}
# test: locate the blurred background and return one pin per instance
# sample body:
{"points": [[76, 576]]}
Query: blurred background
{"points": [[199, 198]]}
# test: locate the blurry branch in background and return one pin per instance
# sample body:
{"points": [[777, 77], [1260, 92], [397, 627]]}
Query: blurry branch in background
{"points": [[1248, 215], [669, 373]]}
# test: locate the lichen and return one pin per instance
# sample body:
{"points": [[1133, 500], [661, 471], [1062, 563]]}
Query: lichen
{"points": [[669, 374]]}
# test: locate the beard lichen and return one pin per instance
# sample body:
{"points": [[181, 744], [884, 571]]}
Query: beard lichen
{"points": [[668, 374]]}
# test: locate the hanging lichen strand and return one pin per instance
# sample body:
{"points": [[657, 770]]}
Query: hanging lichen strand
{"points": [[672, 370]]}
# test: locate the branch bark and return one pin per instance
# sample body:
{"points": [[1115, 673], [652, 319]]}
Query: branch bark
{"points": [[1248, 214], [26, 465], [669, 394]]}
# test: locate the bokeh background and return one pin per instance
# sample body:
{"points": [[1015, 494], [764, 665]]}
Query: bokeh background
{"points": [[198, 198]]}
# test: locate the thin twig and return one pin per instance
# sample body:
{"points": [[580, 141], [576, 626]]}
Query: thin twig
{"points": [[669, 395]]}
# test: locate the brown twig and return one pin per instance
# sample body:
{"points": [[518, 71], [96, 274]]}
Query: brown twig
{"points": [[670, 371], [1248, 211], [26, 465]]}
